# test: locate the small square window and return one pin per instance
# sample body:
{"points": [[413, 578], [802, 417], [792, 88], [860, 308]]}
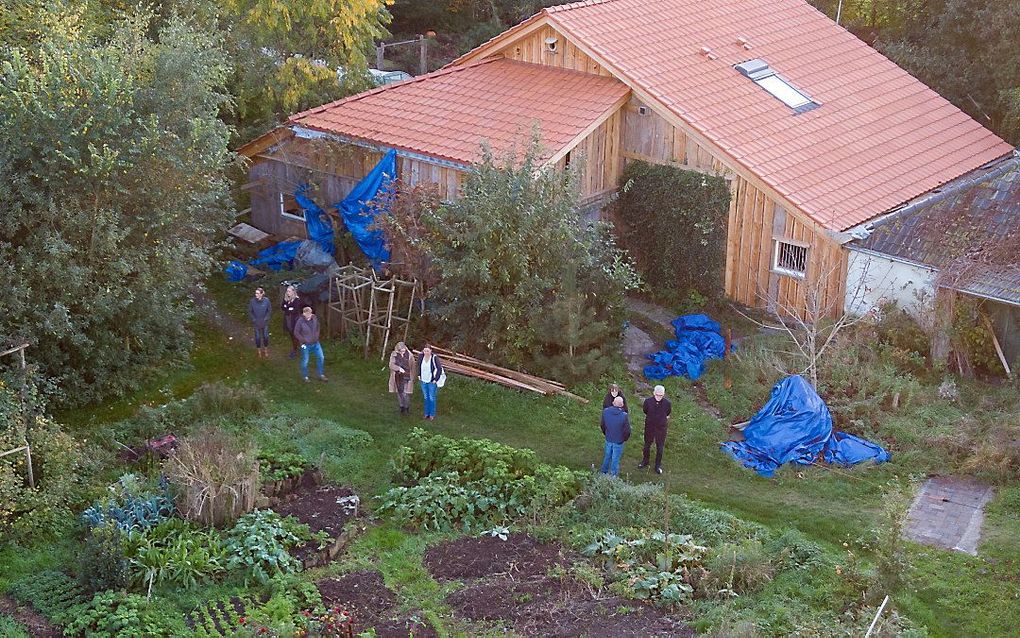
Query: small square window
{"points": [[289, 207], [790, 259]]}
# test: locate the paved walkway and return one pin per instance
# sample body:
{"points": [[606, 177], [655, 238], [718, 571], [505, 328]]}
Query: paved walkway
{"points": [[948, 512]]}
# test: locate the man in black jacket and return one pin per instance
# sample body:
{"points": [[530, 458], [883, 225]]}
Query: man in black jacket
{"points": [[616, 427], [657, 409]]}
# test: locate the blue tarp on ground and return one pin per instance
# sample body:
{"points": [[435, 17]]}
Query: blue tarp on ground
{"points": [[358, 216], [697, 340], [795, 426], [275, 257]]}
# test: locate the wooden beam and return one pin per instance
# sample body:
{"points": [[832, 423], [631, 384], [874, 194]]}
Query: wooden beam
{"points": [[588, 130], [14, 349], [995, 342]]}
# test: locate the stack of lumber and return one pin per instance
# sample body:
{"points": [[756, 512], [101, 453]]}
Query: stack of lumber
{"points": [[469, 366]]}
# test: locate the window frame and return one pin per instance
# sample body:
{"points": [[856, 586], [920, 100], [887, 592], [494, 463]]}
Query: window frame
{"points": [[283, 211], [777, 243]]}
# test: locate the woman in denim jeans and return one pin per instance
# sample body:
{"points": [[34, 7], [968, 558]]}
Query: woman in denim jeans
{"points": [[430, 369]]}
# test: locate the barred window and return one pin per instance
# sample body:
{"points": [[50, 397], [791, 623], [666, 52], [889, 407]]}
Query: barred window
{"points": [[790, 259]]}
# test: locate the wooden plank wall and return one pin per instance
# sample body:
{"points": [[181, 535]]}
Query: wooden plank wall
{"points": [[599, 154], [650, 138], [413, 172], [531, 48], [755, 221]]}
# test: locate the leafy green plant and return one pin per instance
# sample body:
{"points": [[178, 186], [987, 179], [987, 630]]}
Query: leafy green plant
{"points": [[258, 544], [176, 553], [53, 594], [650, 565], [118, 615], [131, 507], [277, 466]]}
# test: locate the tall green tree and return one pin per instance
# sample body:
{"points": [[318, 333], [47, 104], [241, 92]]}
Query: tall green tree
{"points": [[521, 276], [112, 160]]}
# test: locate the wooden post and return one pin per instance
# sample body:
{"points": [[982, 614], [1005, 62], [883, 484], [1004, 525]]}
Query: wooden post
{"points": [[995, 342], [380, 55], [873, 622], [423, 54]]}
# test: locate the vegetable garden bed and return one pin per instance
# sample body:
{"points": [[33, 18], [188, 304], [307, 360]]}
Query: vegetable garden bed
{"points": [[324, 508], [372, 605]]}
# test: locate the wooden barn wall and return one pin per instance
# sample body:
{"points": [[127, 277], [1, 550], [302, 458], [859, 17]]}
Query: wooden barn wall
{"points": [[599, 158], [650, 138], [334, 171], [531, 48], [755, 222]]}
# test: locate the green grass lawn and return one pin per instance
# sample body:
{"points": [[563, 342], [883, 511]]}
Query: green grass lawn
{"points": [[952, 594]]}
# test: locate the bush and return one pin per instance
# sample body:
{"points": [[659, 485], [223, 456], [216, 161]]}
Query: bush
{"points": [[103, 564], [674, 224], [218, 476], [312, 437], [64, 469], [211, 404], [472, 484], [522, 278], [738, 568]]}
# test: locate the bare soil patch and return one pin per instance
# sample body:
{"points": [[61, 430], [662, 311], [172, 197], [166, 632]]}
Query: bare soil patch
{"points": [[318, 507], [372, 605], [34, 622], [508, 582]]}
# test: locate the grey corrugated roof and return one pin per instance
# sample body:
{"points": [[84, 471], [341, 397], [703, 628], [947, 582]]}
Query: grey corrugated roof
{"points": [[971, 234]]}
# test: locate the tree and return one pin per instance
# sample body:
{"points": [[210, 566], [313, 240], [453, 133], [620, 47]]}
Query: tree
{"points": [[112, 159], [520, 275]]}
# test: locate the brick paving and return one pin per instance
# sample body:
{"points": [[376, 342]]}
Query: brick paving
{"points": [[948, 512]]}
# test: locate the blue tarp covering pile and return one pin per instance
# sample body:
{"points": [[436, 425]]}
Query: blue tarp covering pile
{"points": [[795, 426], [354, 210], [697, 340]]}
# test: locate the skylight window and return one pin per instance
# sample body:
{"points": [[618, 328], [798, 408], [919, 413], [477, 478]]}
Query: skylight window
{"points": [[759, 72]]}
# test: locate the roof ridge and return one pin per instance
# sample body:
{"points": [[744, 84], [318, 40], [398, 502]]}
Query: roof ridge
{"points": [[386, 87], [575, 5]]}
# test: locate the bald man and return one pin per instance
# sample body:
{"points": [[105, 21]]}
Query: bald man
{"points": [[616, 427], [657, 409]]}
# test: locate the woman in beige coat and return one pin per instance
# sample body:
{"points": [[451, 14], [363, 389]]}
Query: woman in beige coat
{"points": [[402, 375]]}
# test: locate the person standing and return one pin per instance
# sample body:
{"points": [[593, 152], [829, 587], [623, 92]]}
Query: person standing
{"points": [[306, 331], [616, 427], [259, 310], [292, 305], [657, 409], [401, 381], [614, 391], [430, 374]]}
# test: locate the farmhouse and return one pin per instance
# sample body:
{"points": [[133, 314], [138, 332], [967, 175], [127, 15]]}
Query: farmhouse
{"points": [[816, 132]]}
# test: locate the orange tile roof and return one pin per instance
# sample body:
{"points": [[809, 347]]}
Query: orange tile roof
{"points": [[879, 138], [450, 112]]}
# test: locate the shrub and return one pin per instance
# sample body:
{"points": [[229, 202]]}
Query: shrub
{"points": [[277, 466], [258, 544], [53, 594], [210, 404], [10, 628], [738, 568], [218, 476], [311, 437], [64, 469], [103, 564], [554, 304], [472, 459], [673, 222]]}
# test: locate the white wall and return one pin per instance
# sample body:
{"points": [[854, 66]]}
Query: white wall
{"points": [[873, 280]]}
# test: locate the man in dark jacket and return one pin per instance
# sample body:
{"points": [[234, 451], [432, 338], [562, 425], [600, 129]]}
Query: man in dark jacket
{"points": [[306, 331], [657, 409], [259, 310], [616, 427]]}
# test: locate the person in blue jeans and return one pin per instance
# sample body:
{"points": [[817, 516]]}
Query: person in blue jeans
{"points": [[430, 371], [306, 331], [616, 427]]}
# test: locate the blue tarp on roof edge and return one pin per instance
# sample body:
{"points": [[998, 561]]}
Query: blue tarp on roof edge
{"points": [[795, 426], [698, 339]]}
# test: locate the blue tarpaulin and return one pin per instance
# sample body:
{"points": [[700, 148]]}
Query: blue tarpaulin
{"points": [[319, 228], [275, 257], [358, 216], [236, 270], [795, 426], [697, 340]]}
